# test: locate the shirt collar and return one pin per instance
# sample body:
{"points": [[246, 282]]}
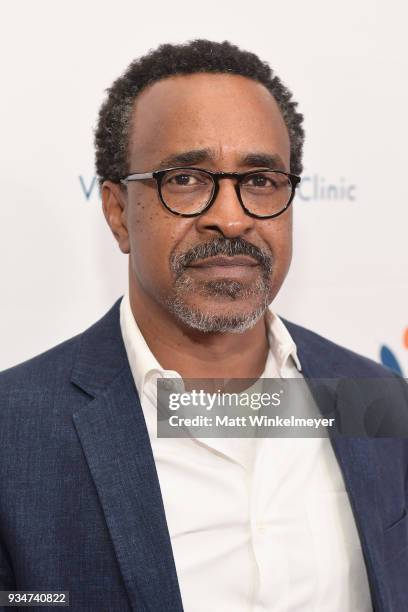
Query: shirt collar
{"points": [[281, 343], [144, 364]]}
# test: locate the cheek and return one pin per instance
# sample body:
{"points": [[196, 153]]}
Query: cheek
{"points": [[278, 235], [152, 234]]}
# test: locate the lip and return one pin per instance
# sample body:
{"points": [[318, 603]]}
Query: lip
{"points": [[226, 262]]}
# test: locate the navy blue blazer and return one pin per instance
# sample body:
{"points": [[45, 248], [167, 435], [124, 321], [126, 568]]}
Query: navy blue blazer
{"points": [[80, 501]]}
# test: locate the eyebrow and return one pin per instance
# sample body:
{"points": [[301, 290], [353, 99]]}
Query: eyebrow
{"points": [[266, 160], [197, 156]]}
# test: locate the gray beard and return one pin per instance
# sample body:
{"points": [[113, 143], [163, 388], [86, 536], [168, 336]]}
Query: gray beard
{"points": [[184, 286], [209, 322]]}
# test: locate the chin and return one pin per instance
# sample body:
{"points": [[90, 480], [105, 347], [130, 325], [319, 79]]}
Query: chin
{"points": [[209, 317]]}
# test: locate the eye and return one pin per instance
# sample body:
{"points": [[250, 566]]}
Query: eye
{"points": [[258, 180], [261, 180], [186, 179], [183, 179]]}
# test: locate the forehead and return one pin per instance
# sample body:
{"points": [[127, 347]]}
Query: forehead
{"points": [[231, 115]]}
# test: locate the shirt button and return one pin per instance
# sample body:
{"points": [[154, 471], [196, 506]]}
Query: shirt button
{"points": [[260, 527]]}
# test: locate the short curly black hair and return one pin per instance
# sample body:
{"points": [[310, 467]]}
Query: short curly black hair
{"points": [[112, 130]]}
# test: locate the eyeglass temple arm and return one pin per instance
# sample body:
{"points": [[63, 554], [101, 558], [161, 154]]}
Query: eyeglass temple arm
{"points": [[137, 177]]}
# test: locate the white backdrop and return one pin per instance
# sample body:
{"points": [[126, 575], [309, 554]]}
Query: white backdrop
{"points": [[346, 63]]}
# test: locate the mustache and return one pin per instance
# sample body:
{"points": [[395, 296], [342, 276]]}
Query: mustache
{"points": [[220, 246]]}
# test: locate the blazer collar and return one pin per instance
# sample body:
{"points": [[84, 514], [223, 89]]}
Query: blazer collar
{"points": [[101, 354], [115, 441]]}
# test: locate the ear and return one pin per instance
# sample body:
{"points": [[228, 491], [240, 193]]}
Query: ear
{"points": [[114, 204]]}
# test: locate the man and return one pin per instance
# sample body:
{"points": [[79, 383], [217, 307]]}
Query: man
{"points": [[198, 152]]}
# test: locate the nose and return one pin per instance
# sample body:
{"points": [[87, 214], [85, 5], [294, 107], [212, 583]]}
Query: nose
{"points": [[226, 215]]}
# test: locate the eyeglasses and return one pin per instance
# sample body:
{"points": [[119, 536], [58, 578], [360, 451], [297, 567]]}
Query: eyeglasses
{"points": [[188, 192]]}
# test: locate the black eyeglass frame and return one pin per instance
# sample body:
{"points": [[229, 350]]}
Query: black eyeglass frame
{"points": [[158, 175]]}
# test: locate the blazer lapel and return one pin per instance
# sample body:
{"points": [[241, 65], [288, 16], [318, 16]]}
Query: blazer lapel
{"points": [[116, 444], [357, 459]]}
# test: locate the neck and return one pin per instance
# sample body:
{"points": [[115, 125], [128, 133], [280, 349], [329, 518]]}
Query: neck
{"points": [[195, 354]]}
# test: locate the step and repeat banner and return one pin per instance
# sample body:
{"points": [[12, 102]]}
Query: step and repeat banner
{"points": [[346, 63]]}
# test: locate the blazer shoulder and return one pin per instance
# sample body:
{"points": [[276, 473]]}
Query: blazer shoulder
{"points": [[336, 357]]}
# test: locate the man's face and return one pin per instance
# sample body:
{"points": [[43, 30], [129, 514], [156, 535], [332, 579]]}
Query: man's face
{"points": [[220, 123]]}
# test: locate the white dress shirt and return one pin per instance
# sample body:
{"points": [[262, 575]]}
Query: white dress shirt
{"points": [[255, 525]]}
